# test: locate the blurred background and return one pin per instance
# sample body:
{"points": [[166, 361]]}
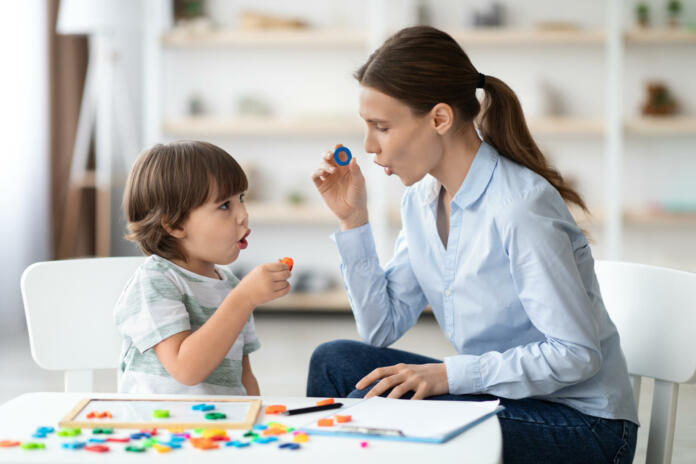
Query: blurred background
{"points": [[607, 87]]}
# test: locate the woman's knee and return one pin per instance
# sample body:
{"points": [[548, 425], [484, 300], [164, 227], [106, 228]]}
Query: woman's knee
{"points": [[329, 352]]}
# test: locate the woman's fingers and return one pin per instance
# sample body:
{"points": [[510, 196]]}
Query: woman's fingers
{"points": [[375, 375], [384, 385]]}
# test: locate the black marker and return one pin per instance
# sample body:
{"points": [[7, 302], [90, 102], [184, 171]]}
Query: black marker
{"points": [[292, 412]]}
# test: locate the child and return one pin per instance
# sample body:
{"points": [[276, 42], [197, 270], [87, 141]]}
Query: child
{"points": [[185, 318]]}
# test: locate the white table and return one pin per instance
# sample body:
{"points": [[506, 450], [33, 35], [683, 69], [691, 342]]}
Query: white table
{"points": [[20, 417]]}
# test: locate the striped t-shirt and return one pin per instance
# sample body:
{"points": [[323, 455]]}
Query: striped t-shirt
{"points": [[160, 300]]}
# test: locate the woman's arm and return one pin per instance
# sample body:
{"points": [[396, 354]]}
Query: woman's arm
{"points": [[386, 303]]}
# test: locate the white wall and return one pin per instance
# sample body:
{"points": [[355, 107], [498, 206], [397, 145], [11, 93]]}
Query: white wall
{"points": [[24, 198]]}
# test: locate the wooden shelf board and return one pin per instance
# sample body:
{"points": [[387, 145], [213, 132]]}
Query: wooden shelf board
{"points": [[255, 126], [314, 38], [285, 213], [661, 125], [510, 36], [335, 300], [660, 36], [566, 126]]}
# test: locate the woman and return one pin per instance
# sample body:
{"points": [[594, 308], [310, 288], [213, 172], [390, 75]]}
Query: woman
{"points": [[488, 242]]}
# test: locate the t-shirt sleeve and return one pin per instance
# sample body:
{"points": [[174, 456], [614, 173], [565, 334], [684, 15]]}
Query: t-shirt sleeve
{"points": [[150, 310], [251, 341]]}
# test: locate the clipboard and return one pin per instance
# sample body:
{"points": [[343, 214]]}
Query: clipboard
{"points": [[423, 421]]}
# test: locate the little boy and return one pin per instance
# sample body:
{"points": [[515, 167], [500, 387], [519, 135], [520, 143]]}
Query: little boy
{"points": [[186, 319]]}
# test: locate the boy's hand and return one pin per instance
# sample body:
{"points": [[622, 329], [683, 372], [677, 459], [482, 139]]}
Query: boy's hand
{"points": [[265, 283]]}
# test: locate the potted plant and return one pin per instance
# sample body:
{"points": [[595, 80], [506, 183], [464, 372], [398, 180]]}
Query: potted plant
{"points": [[674, 9], [642, 14]]}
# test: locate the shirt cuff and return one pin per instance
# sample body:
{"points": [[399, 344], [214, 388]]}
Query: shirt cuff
{"points": [[464, 374], [355, 245]]}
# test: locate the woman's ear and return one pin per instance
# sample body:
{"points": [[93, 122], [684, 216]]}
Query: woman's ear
{"points": [[178, 232], [442, 117]]}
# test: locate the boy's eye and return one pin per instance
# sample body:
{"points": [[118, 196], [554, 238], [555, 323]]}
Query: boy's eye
{"points": [[241, 198], [225, 205]]}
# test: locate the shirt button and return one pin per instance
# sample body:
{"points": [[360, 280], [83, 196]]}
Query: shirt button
{"points": [[448, 292]]}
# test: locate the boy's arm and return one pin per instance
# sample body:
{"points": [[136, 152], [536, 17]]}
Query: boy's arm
{"points": [[248, 379], [190, 357]]}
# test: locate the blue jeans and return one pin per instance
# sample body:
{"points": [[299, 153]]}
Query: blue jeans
{"points": [[534, 431]]}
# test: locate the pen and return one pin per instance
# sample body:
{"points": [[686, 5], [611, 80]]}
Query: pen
{"points": [[292, 412]]}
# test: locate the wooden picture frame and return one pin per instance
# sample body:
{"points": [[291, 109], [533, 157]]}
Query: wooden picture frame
{"points": [[118, 420]]}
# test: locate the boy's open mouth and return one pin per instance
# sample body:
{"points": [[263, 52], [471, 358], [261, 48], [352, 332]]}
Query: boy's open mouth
{"points": [[243, 243]]}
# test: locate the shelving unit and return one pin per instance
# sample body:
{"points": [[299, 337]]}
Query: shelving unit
{"points": [[610, 126]]}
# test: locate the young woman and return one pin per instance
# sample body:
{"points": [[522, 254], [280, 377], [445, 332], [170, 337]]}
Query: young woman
{"points": [[488, 242]]}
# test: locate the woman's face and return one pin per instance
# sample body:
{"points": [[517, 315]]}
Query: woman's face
{"points": [[403, 143]]}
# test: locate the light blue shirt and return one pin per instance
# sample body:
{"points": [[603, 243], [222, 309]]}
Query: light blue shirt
{"points": [[514, 291]]}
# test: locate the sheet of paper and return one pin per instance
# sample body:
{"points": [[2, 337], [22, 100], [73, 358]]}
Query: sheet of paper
{"points": [[425, 418]]}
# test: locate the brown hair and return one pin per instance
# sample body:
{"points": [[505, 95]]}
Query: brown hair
{"points": [[423, 66], [167, 182]]}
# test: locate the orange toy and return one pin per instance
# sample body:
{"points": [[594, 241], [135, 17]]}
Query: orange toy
{"points": [[287, 261], [325, 422], [275, 409], [343, 419], [326, 401]]}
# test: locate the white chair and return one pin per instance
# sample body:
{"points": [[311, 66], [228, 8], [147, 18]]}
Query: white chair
{"points": [[654, 310], [69, 308]]}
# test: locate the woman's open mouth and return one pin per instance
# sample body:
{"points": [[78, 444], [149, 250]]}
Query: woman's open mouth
{"points": [[387, 170], [243, 243]]}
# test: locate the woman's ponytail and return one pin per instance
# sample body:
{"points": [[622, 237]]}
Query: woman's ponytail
{"points": [[502, 124]]}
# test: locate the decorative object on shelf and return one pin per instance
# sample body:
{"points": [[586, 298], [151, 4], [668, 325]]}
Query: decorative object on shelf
{"points": [[190, 18], [195, 105], [493, 16], [660, 101], [643, 14], [552, 100], [252, 105], [255, 20], [254, 181], [312, 282], [674, 9], [188, 9], [295, 198], [423, 13]]}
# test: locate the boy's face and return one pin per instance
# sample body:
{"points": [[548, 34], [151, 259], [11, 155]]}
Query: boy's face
{"points": [[215, 232]]}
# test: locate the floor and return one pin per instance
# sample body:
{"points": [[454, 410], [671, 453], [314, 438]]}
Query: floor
{"points": [[281, 366]]}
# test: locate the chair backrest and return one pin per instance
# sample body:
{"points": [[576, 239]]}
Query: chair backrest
{"points": [[654, 310], [69, 310]]}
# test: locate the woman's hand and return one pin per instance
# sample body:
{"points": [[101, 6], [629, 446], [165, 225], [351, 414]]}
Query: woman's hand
{"points": [[423, 379], [343, 190]]}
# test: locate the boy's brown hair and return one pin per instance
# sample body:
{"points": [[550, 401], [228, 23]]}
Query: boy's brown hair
{"points": [[167, 182]]}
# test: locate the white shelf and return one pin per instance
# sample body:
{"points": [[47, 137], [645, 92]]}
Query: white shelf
{"points": [[279, 213], [517, 37], [660, 36], [260, 126], [661, 125], [314, 38]]}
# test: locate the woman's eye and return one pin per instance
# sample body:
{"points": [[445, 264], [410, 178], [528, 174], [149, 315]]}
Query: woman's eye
{"points": [[225, 206], [382, 129]]}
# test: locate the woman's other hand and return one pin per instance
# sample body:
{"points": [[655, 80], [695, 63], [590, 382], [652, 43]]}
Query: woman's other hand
{"points": [[343, 190], [423, 379]]}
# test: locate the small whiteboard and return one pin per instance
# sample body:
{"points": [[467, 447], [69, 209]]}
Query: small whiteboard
{"points": [[138, 413]]}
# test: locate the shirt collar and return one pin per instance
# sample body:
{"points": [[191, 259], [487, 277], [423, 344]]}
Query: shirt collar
{"points": [[475, 182]]}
